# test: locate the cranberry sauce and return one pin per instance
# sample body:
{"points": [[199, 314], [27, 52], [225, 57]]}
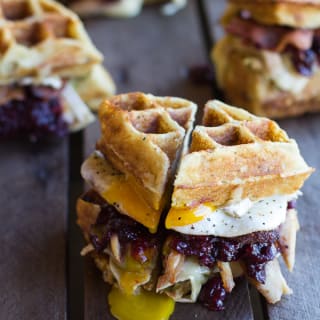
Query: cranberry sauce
{"points": [[36, 113], [303, 60], [254, 249], [111, 222], [292, 204], [201, 74], [213, 294]]}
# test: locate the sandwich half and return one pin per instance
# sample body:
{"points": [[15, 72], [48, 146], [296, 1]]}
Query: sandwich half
{"points": [[130, 174], [273, 47], [122, 8], [50, 72], [232, 209]]}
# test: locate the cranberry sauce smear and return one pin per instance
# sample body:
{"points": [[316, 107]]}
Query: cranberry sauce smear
{"points": [[292, 204], [37, 113], [254, 249], [111, 222], [303, 60], [213, 294], [201, 74]]}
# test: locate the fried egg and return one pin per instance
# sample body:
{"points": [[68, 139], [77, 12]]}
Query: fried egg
{"points": [[232, 220]]}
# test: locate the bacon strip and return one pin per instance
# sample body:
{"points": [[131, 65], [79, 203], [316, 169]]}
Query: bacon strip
{"points": [[275, 38]]}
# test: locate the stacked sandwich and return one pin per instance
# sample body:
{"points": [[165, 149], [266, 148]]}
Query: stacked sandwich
{"points": [[130, 174], [122, 8], [47, 63], [232, 208], [273, 46]]}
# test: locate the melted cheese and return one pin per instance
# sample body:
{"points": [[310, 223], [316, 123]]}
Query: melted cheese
{"points": [[265, 214], [130, 279], [283, 74], [191, 272], [144, 306], [76, 113], [53, 82], [239, 209]]}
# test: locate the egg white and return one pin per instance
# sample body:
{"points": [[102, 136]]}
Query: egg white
{"points": [[265, 214]]}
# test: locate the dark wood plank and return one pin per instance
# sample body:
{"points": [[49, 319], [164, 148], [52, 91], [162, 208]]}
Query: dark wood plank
{"points": [[305, 302], [75, 263], [33, 211], [152, 53]]}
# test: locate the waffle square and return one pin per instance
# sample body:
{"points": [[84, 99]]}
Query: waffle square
{"points": [[143, 136], [236, 155]]}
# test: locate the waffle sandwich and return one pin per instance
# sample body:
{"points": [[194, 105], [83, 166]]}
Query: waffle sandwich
{"points": [[232, 209], [49, 70], [122, 8], [273, 47], [130, 174]]}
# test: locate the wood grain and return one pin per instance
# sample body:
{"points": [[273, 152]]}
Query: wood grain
{"points": [[33, 211], [152, 53]]}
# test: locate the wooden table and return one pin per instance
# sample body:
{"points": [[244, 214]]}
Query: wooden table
{"points": [[42, 275]]}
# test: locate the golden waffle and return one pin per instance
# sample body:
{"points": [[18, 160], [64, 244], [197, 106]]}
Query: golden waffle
{"points": [[40, 38], [297, 13], [236, 155], [142, 139]]}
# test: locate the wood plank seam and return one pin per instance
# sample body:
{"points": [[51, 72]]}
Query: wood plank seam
{"points": [[75, 263]]}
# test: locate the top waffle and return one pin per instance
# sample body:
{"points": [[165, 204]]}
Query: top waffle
{"points": [[40, 38], [236, 155], [293, 13], [142, 136]]}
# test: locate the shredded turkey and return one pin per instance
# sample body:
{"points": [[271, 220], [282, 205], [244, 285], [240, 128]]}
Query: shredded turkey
{"points": [[287, 241], [226, 275]]}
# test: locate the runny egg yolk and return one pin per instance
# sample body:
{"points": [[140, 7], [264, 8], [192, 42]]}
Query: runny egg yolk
{"points": [[178, 217], [134, 205], [143, 306]]}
